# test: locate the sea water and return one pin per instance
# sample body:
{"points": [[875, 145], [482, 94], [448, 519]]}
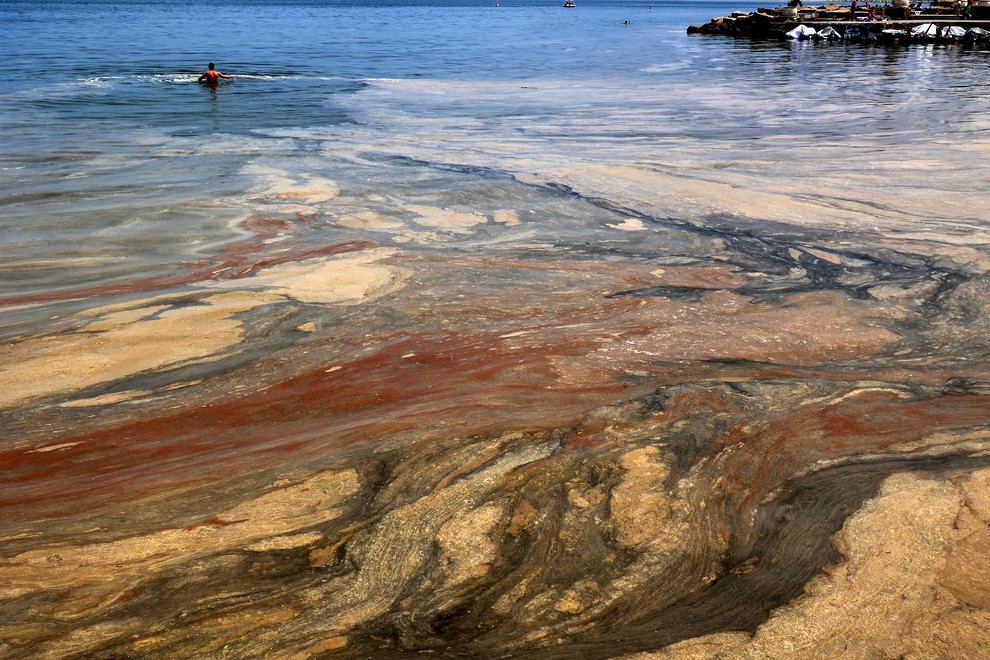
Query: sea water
{"points": [[116, 164]]}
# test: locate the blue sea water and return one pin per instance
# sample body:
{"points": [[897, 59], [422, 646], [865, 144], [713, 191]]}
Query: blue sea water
{"points": [[115, 163], [79, 64]]}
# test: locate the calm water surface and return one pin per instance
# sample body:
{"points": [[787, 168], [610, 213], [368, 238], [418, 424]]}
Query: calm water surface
{"points": [[114, 162]]}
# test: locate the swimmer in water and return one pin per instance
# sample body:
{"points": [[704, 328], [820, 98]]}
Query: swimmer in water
{"points": [[212, 77]]}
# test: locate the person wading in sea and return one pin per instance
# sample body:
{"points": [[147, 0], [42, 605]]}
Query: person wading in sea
{"points": [[212, 77]]}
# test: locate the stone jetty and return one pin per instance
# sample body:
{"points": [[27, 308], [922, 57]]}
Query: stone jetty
{"points": [[892, 22]]}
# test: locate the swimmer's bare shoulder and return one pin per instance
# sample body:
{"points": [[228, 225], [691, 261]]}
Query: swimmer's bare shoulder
{"points": [[211, 76]]}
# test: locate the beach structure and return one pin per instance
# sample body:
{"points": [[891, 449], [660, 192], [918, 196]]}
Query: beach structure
{"points": [[897, 22]]}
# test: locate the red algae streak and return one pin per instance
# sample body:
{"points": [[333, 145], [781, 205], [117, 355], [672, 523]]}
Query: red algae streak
{"points": [[238, 259], [502, 355], [301, 255], [698, 277], [461, 383], [803, 330], [863, 422]]}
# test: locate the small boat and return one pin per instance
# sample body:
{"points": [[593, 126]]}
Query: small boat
{"points": [[569, 4], [952, 32], [828, 33], [801, 32], [893, 36], [856, 33], [976, 34], [925, 33]]}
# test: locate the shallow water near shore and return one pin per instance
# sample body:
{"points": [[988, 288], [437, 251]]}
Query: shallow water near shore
{"points": [[469, 330]]}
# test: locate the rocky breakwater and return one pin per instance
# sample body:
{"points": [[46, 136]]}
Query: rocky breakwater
{"points": [[895, 23], [772, 22], [757, 24]]}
